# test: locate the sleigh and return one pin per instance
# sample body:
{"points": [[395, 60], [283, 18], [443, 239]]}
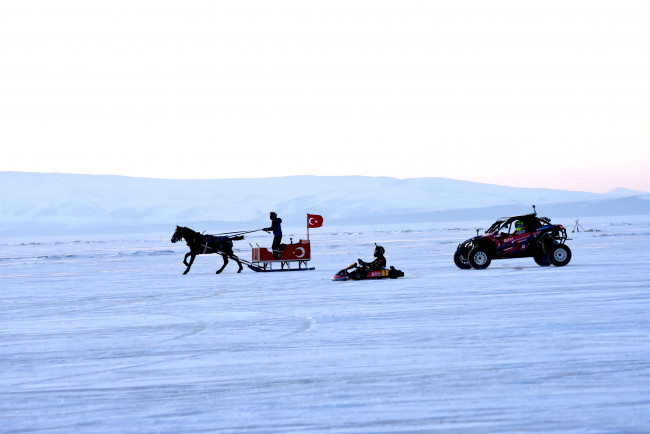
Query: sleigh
{"points": [[293, 254]]}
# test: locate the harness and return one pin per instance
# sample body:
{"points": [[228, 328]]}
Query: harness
{"points": [[210, 240]]}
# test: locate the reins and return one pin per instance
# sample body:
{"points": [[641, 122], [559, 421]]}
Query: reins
{"points": [[236, 233]]}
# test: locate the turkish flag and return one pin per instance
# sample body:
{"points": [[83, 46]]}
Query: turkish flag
{"points": [[314, 221]]}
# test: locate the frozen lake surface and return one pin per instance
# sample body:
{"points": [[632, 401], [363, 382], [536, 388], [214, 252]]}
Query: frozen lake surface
{"points": [[106, 335]]}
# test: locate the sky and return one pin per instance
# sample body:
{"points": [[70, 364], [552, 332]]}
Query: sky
{"points": [[551, 94]]}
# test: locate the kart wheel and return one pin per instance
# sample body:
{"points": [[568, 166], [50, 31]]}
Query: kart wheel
{"points": [[559, 255], [358, 275], [479, 259], [542, 259], [461, 263]]}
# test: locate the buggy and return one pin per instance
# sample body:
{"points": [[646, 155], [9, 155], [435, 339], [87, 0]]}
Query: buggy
{"points": [[539, 239]]}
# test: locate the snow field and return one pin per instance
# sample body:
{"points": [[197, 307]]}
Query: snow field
{"points": [[106, 335]]}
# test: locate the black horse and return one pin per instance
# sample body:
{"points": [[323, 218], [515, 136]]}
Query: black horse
{"points": [[200, 244]]}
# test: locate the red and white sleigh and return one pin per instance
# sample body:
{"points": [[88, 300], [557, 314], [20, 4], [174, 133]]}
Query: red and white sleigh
{"points": [[296, 254], [292, 256]]}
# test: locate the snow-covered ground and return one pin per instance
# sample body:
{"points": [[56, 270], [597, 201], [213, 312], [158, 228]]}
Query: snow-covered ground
{"points": [[106, 335]]}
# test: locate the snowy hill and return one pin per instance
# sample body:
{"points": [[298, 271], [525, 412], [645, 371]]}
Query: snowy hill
{"points": [[64, 203]]}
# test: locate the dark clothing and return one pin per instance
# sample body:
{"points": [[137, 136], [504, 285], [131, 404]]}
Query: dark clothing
{"points": [[276, 227], [378, 264], [276, 243]]}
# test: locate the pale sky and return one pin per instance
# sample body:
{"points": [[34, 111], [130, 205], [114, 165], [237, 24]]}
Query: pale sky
{"points": [[552, 94]]}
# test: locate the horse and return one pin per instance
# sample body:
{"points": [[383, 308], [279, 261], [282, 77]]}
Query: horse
{"points": [[200, 244]]}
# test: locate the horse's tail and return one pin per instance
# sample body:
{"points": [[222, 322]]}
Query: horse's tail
{"points": [[237, 238]]}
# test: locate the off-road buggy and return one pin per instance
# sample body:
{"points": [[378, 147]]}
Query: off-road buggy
{"points": [[538, 239]]}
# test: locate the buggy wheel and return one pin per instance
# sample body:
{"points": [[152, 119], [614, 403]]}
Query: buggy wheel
{"points": [[479, 259], [460, 262], [542, 259], [358, 275], [559, 255]]}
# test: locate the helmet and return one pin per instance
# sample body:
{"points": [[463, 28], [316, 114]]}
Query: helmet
{"points": [[379, 251], [273, 215], [519, 225]]}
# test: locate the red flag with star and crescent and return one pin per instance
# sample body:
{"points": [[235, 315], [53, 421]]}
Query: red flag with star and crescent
{"points": [[314, 221]]}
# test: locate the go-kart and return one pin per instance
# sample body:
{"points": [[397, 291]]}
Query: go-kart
{"points": [[541, 240], [356, 272]]}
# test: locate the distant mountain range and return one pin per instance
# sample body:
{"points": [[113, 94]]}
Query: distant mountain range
{"points": [[50, 203]]}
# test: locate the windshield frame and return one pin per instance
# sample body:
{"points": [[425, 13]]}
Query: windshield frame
{"points": [[496, 226]]}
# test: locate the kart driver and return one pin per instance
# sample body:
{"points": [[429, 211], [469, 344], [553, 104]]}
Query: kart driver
{"points": [[379, 263]]}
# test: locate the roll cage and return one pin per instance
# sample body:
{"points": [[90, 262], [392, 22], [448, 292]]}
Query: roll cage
{"points": [[504, 225]]}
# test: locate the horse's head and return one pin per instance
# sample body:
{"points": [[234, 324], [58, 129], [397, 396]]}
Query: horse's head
{"points": [[178, 234]]}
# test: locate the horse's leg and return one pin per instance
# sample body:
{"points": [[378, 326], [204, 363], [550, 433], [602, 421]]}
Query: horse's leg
{"points": [[185, 258], [231, 254], [238, 263], [225, 262], [191, 262]]}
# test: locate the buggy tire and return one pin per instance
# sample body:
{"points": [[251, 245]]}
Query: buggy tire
{"points": [[358, 275], [460, 263], [542, 259], [559, 255], [479, 259]]}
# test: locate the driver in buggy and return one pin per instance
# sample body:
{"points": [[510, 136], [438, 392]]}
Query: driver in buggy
{"points": [[379, 263], [519, 227]]}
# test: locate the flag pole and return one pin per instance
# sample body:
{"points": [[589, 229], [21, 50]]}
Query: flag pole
{"points": [[307, 228]]}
